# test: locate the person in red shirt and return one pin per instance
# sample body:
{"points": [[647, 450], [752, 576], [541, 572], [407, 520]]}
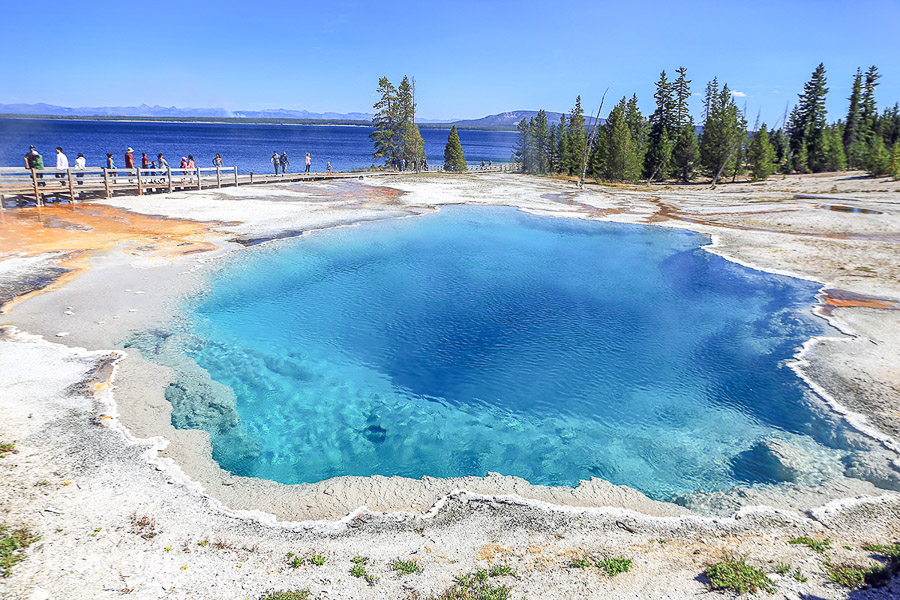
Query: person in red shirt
{"points": [[129, 161]]}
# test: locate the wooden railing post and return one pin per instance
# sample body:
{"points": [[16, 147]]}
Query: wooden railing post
{"points": [[71, 186], [106, 181], [235, 176], [251, 176], [169, 176], [218, 177], [37, 192], [140, 184], [199, 184]]}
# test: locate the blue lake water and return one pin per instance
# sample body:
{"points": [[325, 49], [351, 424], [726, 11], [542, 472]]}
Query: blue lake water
{"points": [[246, 146], [487, 339]]}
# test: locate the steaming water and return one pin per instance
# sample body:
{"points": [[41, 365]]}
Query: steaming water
{"points": [[482, 339]]}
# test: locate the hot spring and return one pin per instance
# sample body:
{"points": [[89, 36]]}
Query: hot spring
{"points": [[479, 340]]}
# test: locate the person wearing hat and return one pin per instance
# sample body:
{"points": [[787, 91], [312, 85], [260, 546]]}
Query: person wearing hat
{"points": [[35, 162], [129, 160]]}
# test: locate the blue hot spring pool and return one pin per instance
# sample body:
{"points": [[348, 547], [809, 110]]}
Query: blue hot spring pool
{"points": [[488, 339]]}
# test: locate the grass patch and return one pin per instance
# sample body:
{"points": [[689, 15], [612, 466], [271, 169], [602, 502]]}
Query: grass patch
{"points": [[406, 567], [850, 576], [580, 563], [359, 560], [782, 568], [816, 545], [500, 570], [879, 576], [359, 570], [614, 566], [295, 562], [735, 574], [286, 595], [317, 560], [7, 448], [476, 586], [13, 543]]}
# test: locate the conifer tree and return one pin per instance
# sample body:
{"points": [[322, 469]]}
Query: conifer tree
{"points": [[761, 155], [454, 159], [617, 158], [552, 156], [577, 139], [386, 121], [853, 146], [801, 160], [562, 146], [833, 149], [895, 161], [412, 146], [662, 129], [638, 126], [541, 137], [879, 159], [808, 120], [724, 131], [522, 149], [686, 152]]}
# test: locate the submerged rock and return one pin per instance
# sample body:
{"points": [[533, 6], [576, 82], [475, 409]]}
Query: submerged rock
{"points": [[773, 460]]}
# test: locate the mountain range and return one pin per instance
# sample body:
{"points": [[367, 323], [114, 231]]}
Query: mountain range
{"points": [[501, 120]]}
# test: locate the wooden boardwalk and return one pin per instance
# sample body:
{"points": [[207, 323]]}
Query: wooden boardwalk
{"points": [[23, 186]]}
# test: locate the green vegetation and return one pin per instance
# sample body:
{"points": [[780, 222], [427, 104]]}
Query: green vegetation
{"points": [[286, 595], [735, 574], [317, 560], [818, 546], [406, 567], [9, 448], [666, 145], [580, 563], [359, 569], [396, 137], [295, 562], [454, 159], [782, 568], [476, 586], [614, 566], [359, 560], [848, 575], [13, 543]]}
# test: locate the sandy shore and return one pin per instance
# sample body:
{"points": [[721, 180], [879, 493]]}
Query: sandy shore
{"points": [[96, 448]]}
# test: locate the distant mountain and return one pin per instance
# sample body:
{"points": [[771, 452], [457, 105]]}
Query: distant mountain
{"points": [[512, 118], [171, 111]]}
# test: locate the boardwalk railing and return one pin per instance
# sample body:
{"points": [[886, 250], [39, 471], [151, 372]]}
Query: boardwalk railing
{"points": [[72, 184]]}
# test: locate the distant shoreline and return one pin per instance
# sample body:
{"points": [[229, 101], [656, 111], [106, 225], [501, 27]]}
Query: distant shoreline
{"points": [[243, 121]]}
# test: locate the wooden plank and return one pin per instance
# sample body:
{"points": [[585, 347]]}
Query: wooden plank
{"points": [[140, 184], [235, 177], [71, 188], [106, 182], [169, 176], [37, 192], [199, 181]]}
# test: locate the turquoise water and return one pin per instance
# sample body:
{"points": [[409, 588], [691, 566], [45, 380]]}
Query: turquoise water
{"points": [[488, 339]]}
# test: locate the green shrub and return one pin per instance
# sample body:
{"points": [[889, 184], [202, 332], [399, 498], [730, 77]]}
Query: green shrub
{"points": [[317, 560], [580, 563], [614, 566], [286, 595], [475, 586], [735, 574], [406, 567], [812, 544]]}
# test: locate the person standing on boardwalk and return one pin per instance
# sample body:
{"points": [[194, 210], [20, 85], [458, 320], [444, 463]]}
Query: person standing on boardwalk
{"points": [[80, 166], [183, 167], [191, 166], [129, 160], [35, 162], [328, 167], [145, 162], [111, 164], [284, 163], [275, 160], [217, 161], [62, 162], [308, 162]]}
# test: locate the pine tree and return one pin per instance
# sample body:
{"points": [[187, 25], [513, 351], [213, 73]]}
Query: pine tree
{"points": [[895, 161], [662, 129], [761, 155], [412, 146], [386, 121], [522, 149], [686, 152], [552, 148], [638, 127], [577, 139], [454, 159], [724, 132], [879, 159], [562, 146], [808, 120], [833, 147], [852, 147], [541, 137], [801, 159], [617, 158]]}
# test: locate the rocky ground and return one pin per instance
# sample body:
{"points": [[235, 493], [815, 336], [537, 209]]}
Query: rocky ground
{"points": [[125, 504]]}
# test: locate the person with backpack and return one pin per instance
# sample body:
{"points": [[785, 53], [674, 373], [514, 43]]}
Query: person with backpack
{"points": [[217, 161], [35, 162]]}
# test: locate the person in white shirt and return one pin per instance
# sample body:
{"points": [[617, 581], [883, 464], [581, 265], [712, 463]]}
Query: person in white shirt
{"points": [[62, 162], [79, 166]]}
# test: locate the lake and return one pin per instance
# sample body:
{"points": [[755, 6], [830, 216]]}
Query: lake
{"points": [[248, 146]]}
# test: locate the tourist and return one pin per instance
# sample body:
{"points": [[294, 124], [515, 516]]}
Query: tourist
{"points": [[424, 163], [162, 163], [129, 160], [284, 163], [111, 164], [275, 160], [308, 162], [217, 161], [145, 162], [35, 162], [490, 163], [328, 167], [183, 168], [482, 165], [191, 167], [80, 166], [62, 162]]}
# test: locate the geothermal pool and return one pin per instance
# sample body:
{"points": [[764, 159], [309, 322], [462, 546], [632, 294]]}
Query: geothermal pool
{"points": [[488, 339]]}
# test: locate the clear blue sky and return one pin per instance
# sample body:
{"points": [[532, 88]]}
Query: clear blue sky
{"points": [[469, 58]]}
